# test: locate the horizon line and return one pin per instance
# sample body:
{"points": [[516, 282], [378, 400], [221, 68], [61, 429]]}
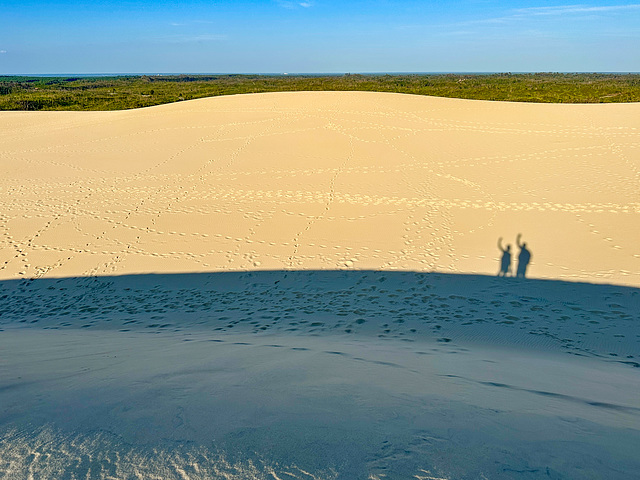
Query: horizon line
{"points": [[284, 74]]}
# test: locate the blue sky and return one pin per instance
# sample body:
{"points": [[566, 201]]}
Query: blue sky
{"points": [[315, 36]]}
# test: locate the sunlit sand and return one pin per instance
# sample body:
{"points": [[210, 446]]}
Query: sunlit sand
{"points": [[304, 285], [322, 180]]}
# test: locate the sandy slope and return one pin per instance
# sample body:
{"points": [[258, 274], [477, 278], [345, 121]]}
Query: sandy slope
{"points": [[205, 290], [318, 375], [322, 180]]}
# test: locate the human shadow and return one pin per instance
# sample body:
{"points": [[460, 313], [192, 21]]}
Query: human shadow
{"points": [[524, 258], [505, 261]]}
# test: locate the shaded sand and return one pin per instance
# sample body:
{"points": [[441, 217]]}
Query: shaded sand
{"points": [[600, 321], [318, 374], [207, 290], [135, 406], [322, 180]]}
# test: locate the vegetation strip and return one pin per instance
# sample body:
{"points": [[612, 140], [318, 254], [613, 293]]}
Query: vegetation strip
{"points": [[126, 92]]}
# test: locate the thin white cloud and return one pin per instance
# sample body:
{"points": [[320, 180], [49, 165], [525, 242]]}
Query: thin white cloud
{"points": [[455, 33], [190, 22], [572, 9], [206, 37], [290, 5], [191, 38], [3, 51], [520, 14]]}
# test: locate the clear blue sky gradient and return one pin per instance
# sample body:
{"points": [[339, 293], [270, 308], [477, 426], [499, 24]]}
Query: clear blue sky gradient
{"points": [[317, 36]]}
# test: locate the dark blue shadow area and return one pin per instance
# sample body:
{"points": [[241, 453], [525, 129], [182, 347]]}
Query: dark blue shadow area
{"points": [[581, 318], [348, 375]]}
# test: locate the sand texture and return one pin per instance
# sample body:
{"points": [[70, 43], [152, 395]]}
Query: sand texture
{"points": [[322, 180], [302, 286]]}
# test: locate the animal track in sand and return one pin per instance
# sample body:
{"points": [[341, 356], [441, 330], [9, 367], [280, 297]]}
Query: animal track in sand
{"points": [[445, 309], [414, 189]]}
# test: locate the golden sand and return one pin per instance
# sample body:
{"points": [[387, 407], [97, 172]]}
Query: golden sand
{"points": [[322, 180]]}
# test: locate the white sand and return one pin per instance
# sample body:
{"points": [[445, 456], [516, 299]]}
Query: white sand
{"points": [[206, 290]]}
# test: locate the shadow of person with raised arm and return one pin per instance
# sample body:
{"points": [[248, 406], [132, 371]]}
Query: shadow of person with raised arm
{"points": [[524, 257], [505, 261]]}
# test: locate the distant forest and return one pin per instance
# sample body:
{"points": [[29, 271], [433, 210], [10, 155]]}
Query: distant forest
{"points": [[126, 92]]}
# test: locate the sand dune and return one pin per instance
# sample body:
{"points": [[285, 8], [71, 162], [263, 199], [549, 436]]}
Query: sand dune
{"points": [[599, 321], [322, 180], [207, 290], [318, 375]]}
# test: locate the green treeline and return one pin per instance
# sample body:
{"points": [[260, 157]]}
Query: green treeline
{"points": [[124, 92]]}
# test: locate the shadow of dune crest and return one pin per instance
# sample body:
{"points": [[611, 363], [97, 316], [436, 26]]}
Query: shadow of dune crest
{"points": [[579, 318], [318, 374]]}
